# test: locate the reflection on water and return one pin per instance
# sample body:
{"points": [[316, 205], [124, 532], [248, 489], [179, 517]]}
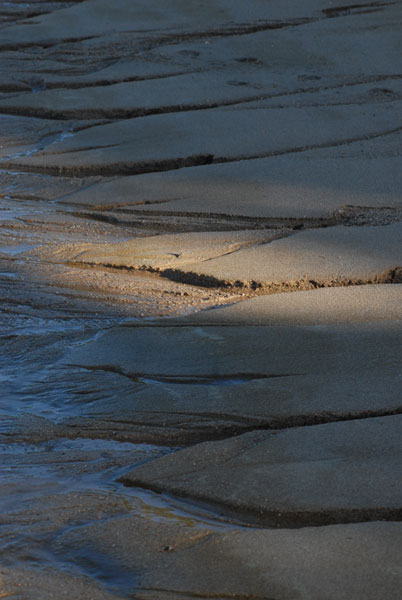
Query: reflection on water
{"points": [[17, 249], [50, 484], [53, 479], [44, 142]]}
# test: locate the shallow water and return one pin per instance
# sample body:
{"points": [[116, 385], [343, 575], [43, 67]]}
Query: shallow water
{"points": [[18, 249], [54, 479]]}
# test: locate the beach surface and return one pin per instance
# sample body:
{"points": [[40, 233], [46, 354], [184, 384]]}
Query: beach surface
{"points": [[201, 300]]}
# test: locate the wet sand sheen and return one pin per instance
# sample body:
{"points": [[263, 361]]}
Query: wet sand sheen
{"points": [[157, 161]]}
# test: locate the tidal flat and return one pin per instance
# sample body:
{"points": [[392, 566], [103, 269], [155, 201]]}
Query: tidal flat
{"points": [[201, 300]]}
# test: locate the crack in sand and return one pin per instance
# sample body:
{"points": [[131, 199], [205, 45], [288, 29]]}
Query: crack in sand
{"points": [[58, 114], [391, 275], [74, 85], [122, 113], [158, 219], [212, 427], [169, 164], [116, 113], [355, 9], [185, 221], [45, 43], [230, 30], [198, 379], [275, 518]]}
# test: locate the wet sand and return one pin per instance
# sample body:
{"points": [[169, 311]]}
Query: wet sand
{"points": [[200, 321]]}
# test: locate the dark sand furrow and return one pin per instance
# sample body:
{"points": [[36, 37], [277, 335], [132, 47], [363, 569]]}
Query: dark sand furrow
{"points": [[138, 168]]}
